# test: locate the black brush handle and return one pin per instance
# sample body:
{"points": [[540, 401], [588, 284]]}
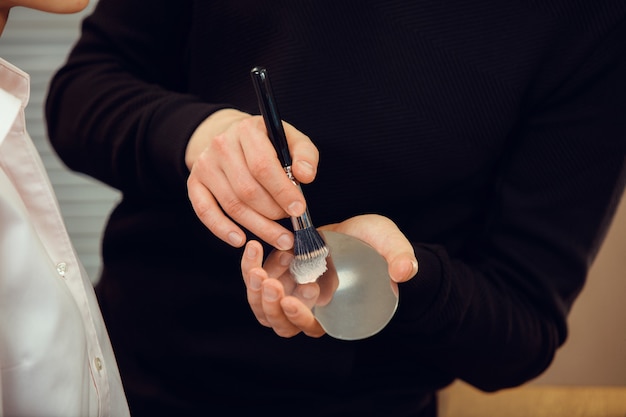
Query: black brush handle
{"points": [[271, 116]]}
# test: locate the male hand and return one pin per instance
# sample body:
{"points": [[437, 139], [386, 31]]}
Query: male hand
{"points": [[237, 180], [279, 303]]}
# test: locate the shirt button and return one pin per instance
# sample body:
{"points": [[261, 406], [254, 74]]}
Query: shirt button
{"points": [[98, 363], [62, 269]]}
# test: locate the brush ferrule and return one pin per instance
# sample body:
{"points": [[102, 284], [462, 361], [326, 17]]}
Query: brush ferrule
{"points": [[290, 175], [301, 222]]}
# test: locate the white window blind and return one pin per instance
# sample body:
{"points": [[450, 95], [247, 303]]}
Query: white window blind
{"points": [[38, 43]]}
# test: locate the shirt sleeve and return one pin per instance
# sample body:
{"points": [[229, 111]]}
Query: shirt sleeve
{"points": [[496, 315]]}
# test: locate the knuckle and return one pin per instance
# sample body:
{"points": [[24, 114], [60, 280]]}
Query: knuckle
{"points": [[218, 145], [249, 124], [263, 322], [194, 184], [276, 213], [208, 216], [260, 168], [247, 191], [203, 210], [210, 220], [234, 207]]}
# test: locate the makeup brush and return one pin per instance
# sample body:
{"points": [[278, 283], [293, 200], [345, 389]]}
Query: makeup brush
{"points": [[310, 250]]}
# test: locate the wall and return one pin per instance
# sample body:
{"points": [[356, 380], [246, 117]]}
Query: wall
{"points": [[595, 352]]}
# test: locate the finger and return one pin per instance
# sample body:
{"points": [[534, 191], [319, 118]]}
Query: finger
{"points": [[226, 155], [254, 276], [252, 258], [403, 267], [307, 294], [277, 266], [266, 229], [272, 294], [211, 215], [385, 236], [267, 170], [277, 263], [398, 252], [301, 317], [210, 211], [254, 292], [304, 154]]}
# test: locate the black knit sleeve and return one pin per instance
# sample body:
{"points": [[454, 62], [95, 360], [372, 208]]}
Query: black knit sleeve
{"points": [[496, 318], [117, 110]]}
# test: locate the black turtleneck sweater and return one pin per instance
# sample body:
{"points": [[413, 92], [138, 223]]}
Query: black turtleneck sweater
{"points": [[492, 132]]}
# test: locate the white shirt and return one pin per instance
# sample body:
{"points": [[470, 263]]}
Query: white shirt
{"points": [[55, 355]]}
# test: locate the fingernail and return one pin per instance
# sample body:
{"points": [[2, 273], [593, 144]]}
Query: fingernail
{"points": [[407, 269], [309, 292], [296, 208], [235, 239], [306, 168], [285, 259], [284, 242], [255, 282], [270, 294], [251, 252]]}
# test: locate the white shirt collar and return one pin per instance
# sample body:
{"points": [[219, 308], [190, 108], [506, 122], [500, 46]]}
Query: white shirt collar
{"points": [[14, 93], [14, 81]]}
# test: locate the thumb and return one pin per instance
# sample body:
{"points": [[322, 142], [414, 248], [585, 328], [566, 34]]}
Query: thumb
{"points": [[304, 154], [398, 252], [386, 238], [403, 267]]}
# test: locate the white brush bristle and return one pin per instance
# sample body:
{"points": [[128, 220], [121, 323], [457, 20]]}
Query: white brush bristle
{"points": [[309, 270], [310, 256]]}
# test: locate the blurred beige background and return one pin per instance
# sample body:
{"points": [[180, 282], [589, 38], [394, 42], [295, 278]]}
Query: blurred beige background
{"points": [[595, 352], [588, 375]]}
